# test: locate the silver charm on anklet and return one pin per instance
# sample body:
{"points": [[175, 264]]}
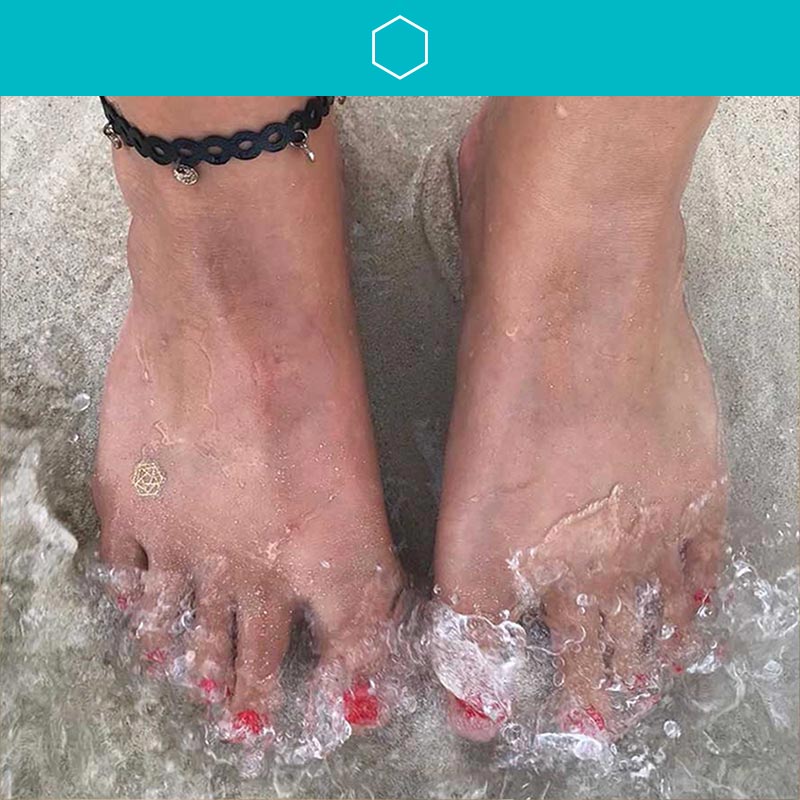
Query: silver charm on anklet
{"points": [[303, 145], [112, 136], [148, 479]]}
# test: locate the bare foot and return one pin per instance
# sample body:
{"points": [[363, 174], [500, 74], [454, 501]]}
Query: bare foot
{"points": [[584, 452], [236, 464]]}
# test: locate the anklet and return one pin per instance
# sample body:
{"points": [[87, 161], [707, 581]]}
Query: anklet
{"points": [[185, 154]]}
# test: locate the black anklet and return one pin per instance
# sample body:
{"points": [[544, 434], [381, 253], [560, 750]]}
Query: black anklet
{"points": [[185, 154]]}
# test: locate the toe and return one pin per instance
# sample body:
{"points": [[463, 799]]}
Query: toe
{"points": [[584, 705], [263, 627], [156, 617], [479, 660], [120, 550], [703, 525], [349, 672], [212, 641], [469, 720], [676, 636], [612, 682], [350, 631], [122, 553], [631, 629]]}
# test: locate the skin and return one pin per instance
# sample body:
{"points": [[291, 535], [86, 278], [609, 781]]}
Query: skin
{"points": [[237, 371], [579, 371]]}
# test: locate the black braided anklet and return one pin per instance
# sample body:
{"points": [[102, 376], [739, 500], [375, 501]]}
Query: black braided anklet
{"points": [[185, 154]]}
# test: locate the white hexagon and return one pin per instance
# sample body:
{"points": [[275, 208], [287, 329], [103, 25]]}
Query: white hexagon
{"points": [[399, 18]]}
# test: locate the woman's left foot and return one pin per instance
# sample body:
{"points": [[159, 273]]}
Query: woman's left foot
{"points": [[583, 456]]}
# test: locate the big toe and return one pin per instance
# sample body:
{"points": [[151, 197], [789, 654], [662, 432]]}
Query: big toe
{"points": [[263, 627], [477, 656]]}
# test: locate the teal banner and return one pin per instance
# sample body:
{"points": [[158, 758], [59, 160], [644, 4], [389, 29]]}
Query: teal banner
{"points": [[406, 47]]}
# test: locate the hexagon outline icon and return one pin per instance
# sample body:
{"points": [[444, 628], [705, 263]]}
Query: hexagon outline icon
{"points": [[386, 25]]}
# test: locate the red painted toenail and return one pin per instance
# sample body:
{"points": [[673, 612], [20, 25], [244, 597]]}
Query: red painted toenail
{"points": [[475, 708], [122, 602], [471, 710], [250, 721], [361, 705], [208, 685], [587, 722], [157, 656], [596, 717], [574, 722], [702, 597], [640, 681]]}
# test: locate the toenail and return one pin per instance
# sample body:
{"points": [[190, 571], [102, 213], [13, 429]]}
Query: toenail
{"points": [[574, 722], [157, 656], [475, 708], [469, 710], [702, 597], [587, 721], [361, 705], [249, 721], [640, 681], [596, 717], [245, 726], [209, 687]]}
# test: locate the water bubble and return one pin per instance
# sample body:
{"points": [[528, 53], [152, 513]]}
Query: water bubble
{"points": [[81, 402], [772, 670], [186, 621], [667, 631], [705, 611], [671, 729]]}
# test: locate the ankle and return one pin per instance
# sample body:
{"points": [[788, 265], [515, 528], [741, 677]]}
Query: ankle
{"points": [[571, 156], [602, 262], [236, 268], [249, 235], [593, 302]]}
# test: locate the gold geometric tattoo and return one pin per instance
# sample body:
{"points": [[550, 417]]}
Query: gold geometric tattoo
{"points": [[148, 479]]}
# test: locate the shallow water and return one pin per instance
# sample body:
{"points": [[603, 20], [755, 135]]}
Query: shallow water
{"points": [[80, 718], [76, 722]]}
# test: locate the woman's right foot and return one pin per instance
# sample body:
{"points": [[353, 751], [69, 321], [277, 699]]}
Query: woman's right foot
{"points": [[236, 464]]}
